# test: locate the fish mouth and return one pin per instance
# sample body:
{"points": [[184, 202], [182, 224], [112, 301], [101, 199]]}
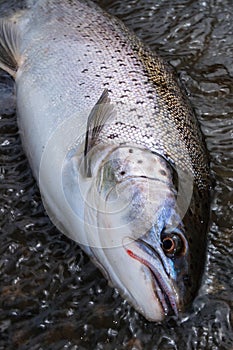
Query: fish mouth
{"points": [[163, 288]]}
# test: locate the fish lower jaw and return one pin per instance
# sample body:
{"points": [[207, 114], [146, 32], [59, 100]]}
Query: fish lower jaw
{"points": [[162, 293], [168, 307], [153, 315], [152, 311]]}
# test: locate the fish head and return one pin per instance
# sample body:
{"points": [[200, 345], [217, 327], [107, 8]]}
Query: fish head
{"points": [[139, 238]]}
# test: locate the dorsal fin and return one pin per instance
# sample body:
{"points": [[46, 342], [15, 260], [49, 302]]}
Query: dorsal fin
{"points": [[100, 113], [9, 46]]}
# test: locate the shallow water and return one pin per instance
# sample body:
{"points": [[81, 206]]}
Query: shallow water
{"points": [[51, 295]]}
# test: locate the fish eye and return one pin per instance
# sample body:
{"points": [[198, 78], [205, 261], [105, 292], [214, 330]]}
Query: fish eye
{"points": [[172, 244]]}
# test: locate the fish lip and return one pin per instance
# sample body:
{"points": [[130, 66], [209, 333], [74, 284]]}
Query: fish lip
{"points": [[162, 287]]}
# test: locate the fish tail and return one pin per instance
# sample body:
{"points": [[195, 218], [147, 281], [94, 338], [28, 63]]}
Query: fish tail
{"points": [[9, 46]]}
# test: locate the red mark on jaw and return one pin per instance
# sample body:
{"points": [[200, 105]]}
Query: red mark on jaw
{"points": [[136, 257], [130, 253]]}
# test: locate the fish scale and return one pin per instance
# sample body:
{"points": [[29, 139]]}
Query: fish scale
{"points": [[162, 112]]}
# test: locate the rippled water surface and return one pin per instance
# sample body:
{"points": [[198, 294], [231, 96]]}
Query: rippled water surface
{"points": [[51, 295]]}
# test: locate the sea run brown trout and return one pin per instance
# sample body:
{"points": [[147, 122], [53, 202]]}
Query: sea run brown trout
{"points": [[115, 148]]}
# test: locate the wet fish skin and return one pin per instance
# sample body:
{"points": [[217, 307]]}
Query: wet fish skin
{"points": [[63, 55]]}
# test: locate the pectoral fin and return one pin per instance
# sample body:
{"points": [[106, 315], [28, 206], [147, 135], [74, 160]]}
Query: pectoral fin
{"points": [[9, 47], [100, 114]]}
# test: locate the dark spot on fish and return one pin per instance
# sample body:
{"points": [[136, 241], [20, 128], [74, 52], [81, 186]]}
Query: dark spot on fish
{"points": [[119, 123], [148, 125], [113, 136], [163, 172], [84, 70], [122, 173], [130, 150], [140, 102], [140, 161], [147, 136]]}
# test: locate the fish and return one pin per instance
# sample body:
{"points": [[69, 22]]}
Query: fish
{"points": [[115, 147]]}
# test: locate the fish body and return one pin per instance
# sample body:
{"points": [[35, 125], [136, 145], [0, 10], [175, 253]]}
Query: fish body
{"points": [[115, 147]]}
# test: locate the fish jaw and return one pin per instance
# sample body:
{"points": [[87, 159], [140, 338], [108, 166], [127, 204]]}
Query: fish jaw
{"points": [[160, 278], [134, 282]]}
